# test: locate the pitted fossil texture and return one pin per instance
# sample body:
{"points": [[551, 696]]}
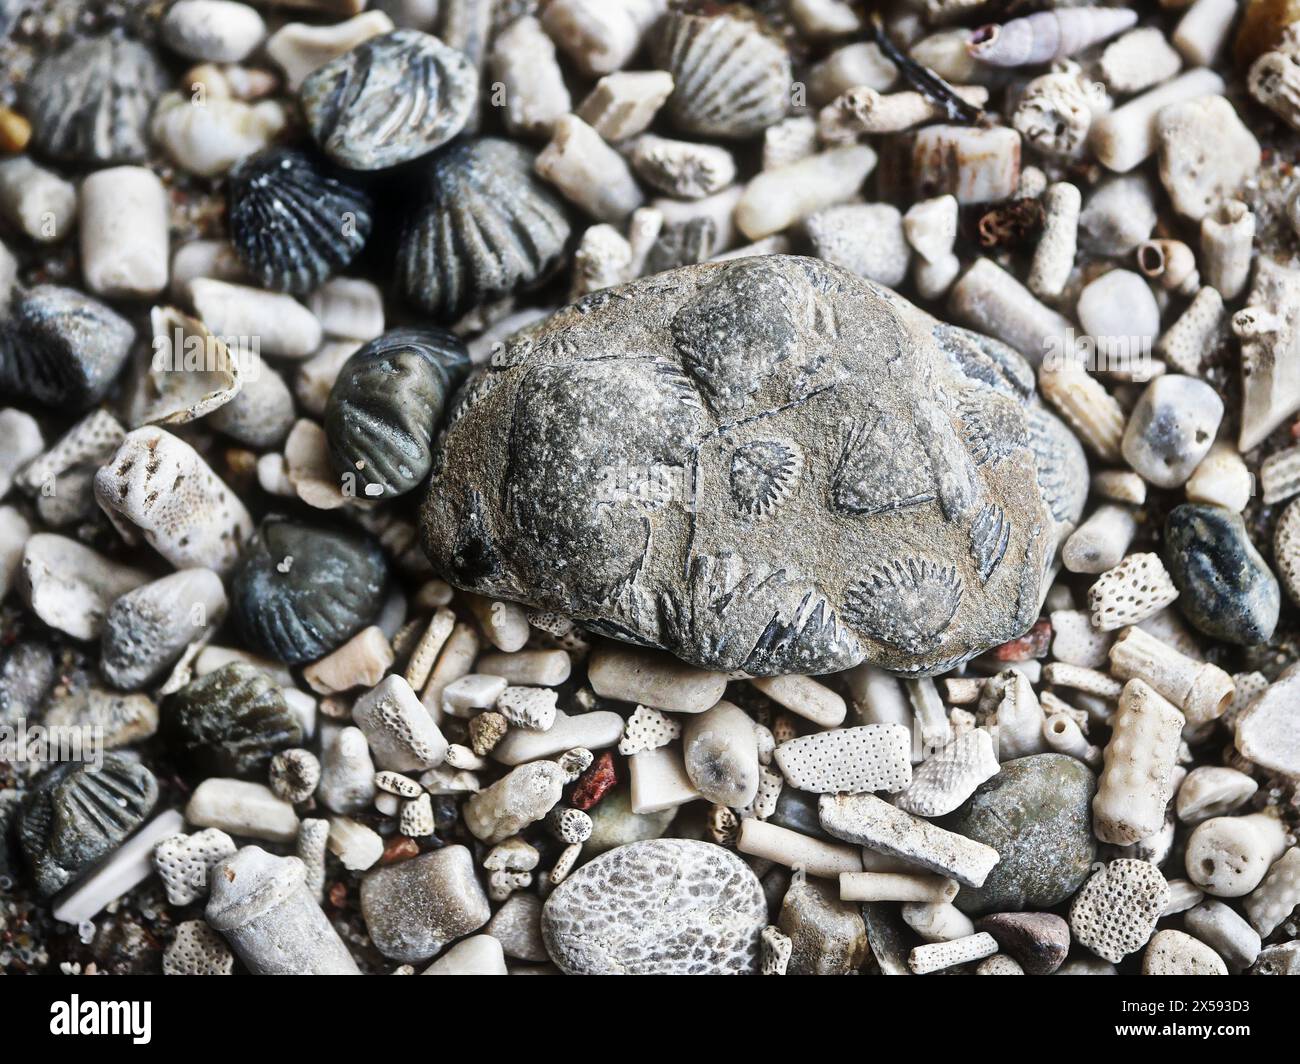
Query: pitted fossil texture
{"points": [[766, 465]]}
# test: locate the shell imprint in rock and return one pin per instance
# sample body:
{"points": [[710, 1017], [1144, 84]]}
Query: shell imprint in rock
{"points": [[301, 591], [486, 227], [389, 100], [292, 224], [767, 465], [91, 102], [386, 404]]}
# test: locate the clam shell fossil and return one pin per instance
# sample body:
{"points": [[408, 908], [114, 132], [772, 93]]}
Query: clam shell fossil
{"points": [[386, 404], [487, 228], [91, 102], [230, 722], [731, 78], [292, 225], [189, 373], [1047, 35], [390, 99], [77, 813], [62, 348], [301, 591]]}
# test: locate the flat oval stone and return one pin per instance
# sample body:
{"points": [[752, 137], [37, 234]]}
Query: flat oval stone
{"points": [[766, 465], [698, 910], [1037, 813], [1226, 589]]}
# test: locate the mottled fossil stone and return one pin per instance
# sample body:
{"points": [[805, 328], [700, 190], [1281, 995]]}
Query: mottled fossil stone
{"points": [[699, 911], [766, 465]]}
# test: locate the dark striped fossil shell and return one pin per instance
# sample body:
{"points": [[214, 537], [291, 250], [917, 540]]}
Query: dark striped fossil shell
{"points": [[386, 405], [390, 99], [62, 348], [78, 813], [230, 722], [487, 227], [731, 77], [300, 590], [293, 225], [91, 102]]}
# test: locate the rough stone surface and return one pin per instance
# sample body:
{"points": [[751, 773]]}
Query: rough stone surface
{"points": [[1226, 589], [674, 426], [414, 908], [1039, 941], [1037, 814], [700, 911], [614, 824], [828, 935]]}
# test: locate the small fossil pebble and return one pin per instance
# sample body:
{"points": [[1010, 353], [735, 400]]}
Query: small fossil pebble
{"points": [[700, 912], [414, 908]]}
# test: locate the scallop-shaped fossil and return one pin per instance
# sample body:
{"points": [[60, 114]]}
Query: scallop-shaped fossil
{"points": [[763, 473], [386, 404], [292, 224], [731, 77], [230, 722], [1062, 465], [62, 348], [300, 590], [91, 102], [78, 812], [390, 99], [487, 227], [908, 603]]}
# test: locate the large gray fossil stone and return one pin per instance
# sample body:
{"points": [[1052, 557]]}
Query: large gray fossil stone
{"points": [[766, 465]]}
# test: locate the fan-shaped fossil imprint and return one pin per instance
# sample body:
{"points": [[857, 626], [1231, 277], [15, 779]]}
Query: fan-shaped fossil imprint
{"points": [[837, 476]]}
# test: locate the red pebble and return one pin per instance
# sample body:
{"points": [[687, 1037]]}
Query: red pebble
{"points": [[593, 784], [1033, 644], [399, 848]]}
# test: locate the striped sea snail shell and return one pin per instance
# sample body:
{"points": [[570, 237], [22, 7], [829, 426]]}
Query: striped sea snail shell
{"points": [[731, 77], [91, 102], [487, 227], [386, 404], [292, 224]]}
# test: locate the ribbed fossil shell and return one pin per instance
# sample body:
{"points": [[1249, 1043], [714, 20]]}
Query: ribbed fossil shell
{"points": [[62, 348], [487, 227], [91, 102], [387, 403], [76, 814], [301, 591], [390, 99], [230, 722], [731, 78], [293, 225]]}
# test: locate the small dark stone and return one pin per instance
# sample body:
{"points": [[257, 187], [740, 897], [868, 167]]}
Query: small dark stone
{"points": [[62, 348], [91, 102], [486, 227], [229, 722], [1224, 587], [26, 676], [301, 591], [387, 403], [293, 225], [1037, 813], [797, 810], [77, 813], [1039, 941], [390, 99]]}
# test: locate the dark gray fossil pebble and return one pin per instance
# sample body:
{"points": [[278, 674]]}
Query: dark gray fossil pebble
{"points": [[767, 465], [26, 675], [486, 227], [62, 348], [660, 907], [1225, 587], [386, 405], [78, 812], [230, 722], [1037, 813], [731, 77], [300, 590], [291, 223], [91, 102], [390, 99]]}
